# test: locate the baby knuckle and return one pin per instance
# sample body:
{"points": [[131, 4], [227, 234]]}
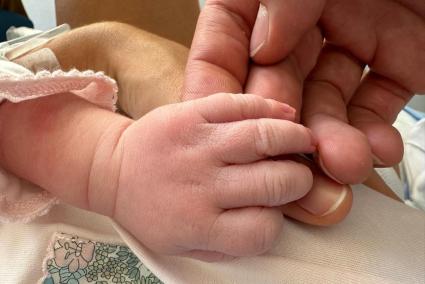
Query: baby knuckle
{"points": [[298, 182], [307, 177], [273, 188], [266, 234], [231, 98], [282, 187], [254, 101], [247, 104], [264, 138]]}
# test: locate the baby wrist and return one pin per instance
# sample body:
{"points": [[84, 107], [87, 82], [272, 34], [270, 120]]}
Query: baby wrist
{"points": [[105, 169]]}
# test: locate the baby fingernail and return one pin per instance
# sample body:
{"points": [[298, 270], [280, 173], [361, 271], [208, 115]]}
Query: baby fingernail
{"points": [[325, 197], [289, 112], [260, 31], [314, 141], [287, 108]]}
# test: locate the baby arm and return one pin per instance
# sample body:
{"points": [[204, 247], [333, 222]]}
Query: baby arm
{"points": [[51, 142], [192, 178]]}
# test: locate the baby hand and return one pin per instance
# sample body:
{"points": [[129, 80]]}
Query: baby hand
{"points": [[195, 178]]}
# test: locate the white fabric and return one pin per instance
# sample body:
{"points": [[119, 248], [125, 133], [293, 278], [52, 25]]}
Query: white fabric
{"points": [[20, 32], [41, 13], [381, 241], [412, 167], [414, 164], [391, 178], [40, 60], [13, 69], [404, 123]]}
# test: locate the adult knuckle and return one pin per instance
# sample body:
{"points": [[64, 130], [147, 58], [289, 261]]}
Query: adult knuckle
{"points": [[225, 7]]}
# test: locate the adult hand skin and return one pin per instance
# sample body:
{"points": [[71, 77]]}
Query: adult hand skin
{"points": [[389, 36], [350, 114], [149, 69]]}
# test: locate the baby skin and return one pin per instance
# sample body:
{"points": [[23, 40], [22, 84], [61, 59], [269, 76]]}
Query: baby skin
{"points": [[195, 178]]}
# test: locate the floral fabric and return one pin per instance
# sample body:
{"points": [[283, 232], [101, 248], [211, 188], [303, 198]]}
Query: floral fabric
{"points": [[72, 260]]}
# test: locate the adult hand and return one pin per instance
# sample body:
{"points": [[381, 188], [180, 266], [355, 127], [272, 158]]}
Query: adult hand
{"points": [[148, 69], [386, 35], [284, 38]]}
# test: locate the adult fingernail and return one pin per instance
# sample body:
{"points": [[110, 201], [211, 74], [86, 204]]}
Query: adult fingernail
{"points": [[326, 171], [260, 31], [325, 197], [377, 161]]}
